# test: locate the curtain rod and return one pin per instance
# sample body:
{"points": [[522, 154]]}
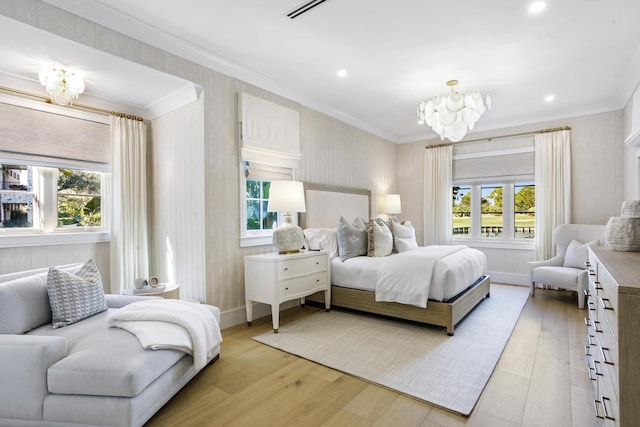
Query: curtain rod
{"points": [[79, 106], [489, 138]]}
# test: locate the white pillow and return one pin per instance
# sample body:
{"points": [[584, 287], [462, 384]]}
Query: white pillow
{"points": [[577, 253], [380, 238], [404, 236], [322, 238]]}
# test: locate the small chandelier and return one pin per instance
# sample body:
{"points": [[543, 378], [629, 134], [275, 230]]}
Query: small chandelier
{"points": [[63, 86], [453, 116]]}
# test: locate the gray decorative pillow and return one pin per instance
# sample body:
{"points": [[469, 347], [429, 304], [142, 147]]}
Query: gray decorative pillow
{"points": [[74, 297], [353, 239]]}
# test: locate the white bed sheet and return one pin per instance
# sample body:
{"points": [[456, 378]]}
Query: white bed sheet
{"points": [[451, 275]]}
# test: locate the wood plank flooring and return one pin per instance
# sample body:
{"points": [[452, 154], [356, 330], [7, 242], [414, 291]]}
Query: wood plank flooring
{"points": [[540, 380]]}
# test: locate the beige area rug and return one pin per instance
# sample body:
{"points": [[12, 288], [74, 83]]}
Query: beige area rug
{"points": [[416, 360]]}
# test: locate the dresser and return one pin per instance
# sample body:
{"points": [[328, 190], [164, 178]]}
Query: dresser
{"points": [[273, 279], [613, 335]]}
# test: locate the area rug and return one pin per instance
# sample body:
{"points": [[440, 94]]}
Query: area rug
{"points": [[416, 360]]}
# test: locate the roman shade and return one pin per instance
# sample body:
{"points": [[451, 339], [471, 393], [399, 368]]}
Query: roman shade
{"points": [[507, 160], [48, 139], [269, 133]]}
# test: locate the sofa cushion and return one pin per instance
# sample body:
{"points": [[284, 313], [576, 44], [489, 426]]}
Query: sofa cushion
{"points": [[24, 304], [75, 296], [105, 361]]}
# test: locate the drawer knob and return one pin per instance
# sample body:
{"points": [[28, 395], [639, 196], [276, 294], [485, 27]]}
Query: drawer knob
{"points": [[597, 285]]}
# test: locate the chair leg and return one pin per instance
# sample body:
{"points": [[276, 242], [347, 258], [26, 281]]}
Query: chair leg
{"points": [[533, 289]]}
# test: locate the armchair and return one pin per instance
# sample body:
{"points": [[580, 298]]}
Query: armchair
{"points": [[566, 270]]}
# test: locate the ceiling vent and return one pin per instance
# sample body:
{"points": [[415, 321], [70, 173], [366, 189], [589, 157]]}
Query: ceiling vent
{"points": [[304, 8]]}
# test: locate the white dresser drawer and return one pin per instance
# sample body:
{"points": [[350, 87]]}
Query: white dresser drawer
{"points": [[291, 287], [300, 266]]}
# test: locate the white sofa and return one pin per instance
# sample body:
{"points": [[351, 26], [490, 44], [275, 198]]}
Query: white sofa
{"points": [[85, 373]]}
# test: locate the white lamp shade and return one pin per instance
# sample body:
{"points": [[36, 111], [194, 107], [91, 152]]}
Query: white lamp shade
{"points": [[286, 196], [391, 204]]}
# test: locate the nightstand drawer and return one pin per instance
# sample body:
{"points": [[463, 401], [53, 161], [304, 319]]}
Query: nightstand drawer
{"points": [[303, 284], [300, 266]]}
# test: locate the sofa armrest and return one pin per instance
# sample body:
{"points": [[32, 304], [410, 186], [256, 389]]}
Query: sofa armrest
{"points": [[556, 261], [24, 361], [118, 301]]}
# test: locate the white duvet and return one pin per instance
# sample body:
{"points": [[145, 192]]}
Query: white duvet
{"points": [[171, 324], [406, 277]]}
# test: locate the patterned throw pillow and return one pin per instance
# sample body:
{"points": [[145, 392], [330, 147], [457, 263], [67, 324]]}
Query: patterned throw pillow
{"points": [[75, 296], [352, 239], [380, 238]]}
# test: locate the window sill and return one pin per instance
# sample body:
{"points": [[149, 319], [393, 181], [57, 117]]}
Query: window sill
{"points": [[247, 241], [496, 244], [17, 240]]}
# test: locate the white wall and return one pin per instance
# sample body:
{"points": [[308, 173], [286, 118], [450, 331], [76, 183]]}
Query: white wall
{"points": [[31, 257], [175, 172]]}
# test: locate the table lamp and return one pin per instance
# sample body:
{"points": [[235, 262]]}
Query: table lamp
{"points": [[287, 197], [391, 204]]}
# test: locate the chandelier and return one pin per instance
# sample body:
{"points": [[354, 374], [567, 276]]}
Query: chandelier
{"points": [[62, 85], [453, 116]]}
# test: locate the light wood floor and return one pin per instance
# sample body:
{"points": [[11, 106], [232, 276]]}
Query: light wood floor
{"points": [[540, 380]]}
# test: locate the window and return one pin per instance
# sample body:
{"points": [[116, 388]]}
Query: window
{"points": [[524, 210], [45, 199], [257, 198], [79, 198], [461, 211], [16, 196], [494, 212], [491, 223]]}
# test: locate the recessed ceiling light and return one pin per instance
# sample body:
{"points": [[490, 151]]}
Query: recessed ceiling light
{"points": [[342, 73], [537, 7], [549, 98]]}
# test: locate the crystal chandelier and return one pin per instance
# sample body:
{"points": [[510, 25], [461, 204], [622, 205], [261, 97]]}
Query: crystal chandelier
{"points": [[62, 85], [453, 116]]}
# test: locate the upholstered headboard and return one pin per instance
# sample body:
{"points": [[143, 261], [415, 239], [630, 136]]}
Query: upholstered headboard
{"points": [[326, 203]]}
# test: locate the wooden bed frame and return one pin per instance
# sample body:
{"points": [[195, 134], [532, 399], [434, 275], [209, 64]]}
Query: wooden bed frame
{"points": [[446, 314]]}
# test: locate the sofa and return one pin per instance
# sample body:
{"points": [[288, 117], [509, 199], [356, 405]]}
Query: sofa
{"points": [[84, 373]]}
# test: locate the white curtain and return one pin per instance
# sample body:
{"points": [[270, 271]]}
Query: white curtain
{"points": [[129, 244], [553, 188], [437, 195]]}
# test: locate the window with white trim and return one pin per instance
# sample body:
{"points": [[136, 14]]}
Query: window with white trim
{"points": [[269, 150], [47, 199], [493, 192]]}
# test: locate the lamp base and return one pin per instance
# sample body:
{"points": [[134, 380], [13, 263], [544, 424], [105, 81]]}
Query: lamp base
{"points": [[288, 238]]}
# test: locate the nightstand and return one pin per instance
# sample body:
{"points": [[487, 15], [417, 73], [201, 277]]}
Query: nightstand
{"points": [[273, 279]]}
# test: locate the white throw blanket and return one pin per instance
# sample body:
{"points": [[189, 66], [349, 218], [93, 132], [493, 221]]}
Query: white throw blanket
{"points": [[406, 277], [171, 324]]}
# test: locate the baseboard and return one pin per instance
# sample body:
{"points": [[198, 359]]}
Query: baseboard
{"points": [[509, 278], [238, 315]]}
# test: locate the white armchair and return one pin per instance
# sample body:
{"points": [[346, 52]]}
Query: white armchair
{"points": [[566, 270]]}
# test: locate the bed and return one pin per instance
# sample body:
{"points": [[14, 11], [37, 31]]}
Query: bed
{"points": [[458, 280]]}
